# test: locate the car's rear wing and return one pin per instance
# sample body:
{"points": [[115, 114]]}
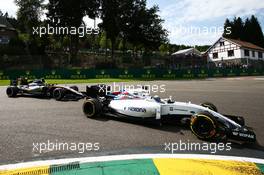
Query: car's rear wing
{"points": [[97, 90]]}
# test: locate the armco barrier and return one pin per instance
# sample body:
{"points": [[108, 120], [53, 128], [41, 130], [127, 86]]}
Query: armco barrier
{"points": [[129, 73]]}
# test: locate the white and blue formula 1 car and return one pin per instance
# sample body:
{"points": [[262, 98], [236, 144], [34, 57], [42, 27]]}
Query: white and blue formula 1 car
{"points": [[204, 120]]}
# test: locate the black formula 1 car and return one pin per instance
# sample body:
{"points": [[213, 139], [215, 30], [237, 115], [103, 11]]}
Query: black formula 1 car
{"points": [[38, 88], [204, 120]]}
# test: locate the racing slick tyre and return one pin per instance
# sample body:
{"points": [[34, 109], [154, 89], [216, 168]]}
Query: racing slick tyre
{"points": [[92, 108], [58, 94], [209, 106], [11, 91], [75, 88], [204, 126], [45, 92]]}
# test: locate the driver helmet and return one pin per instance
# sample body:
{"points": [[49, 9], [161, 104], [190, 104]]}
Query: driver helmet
{"points": [[157, 98]]}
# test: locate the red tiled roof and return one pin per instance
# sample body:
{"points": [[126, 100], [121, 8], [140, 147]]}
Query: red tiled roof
{"points": [[245, 44]]}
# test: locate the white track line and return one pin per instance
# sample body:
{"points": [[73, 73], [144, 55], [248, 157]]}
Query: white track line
{"points": [[127, 157]]}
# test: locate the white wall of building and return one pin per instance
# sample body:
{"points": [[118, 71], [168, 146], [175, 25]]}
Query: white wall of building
{"points": [[239, 52], [251, 56], [222, 51]]}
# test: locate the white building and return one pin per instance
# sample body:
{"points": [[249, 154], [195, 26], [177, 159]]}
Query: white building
{"points": [[185, 52], [188, 58], [234, 51]]}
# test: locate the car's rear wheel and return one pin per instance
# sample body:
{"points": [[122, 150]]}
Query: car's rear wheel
{"points": [[203, 126], [11, 91], [58, 93], [92, 108], [210, 106]]}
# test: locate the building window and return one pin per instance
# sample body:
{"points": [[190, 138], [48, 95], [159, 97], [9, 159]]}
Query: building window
{"points": [[222, 43], [253, 53], [247, 53], [230, 53], [260, 55], [215, 55]]}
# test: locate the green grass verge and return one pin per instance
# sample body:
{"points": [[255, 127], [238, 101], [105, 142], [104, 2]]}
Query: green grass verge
{"points": [[4, 82], [61, 81]]}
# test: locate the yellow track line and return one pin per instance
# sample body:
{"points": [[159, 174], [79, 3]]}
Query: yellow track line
{"points": [[204, 167], [44, 170]]}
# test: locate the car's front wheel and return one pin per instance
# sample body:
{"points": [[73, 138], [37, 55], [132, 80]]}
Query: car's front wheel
{"points": [[203, 126], [11, 91], [58, 94], [92, 108]]}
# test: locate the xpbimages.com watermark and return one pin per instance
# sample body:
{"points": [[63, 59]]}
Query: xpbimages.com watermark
{"points": [[59, 30], [201, 31], [188, 146], [117, 87], [50, 146]]}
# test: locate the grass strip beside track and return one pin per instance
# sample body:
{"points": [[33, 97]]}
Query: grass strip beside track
{"points": [[69, 81], [4, 82], [261, 167]]}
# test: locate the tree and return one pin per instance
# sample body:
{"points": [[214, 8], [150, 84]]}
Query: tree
{"points": [[70, 14], [105, 43], [254, 32], [228, 27], [29, 13], [134, 23], [153, 33], [202, 48], [234, 29], [141, 26], [6, 15], [237, 29], [164, 49], [249, 31], [110, 15]]}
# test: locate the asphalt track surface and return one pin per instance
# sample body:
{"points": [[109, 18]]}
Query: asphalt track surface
{"points": [[24, 121]]}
